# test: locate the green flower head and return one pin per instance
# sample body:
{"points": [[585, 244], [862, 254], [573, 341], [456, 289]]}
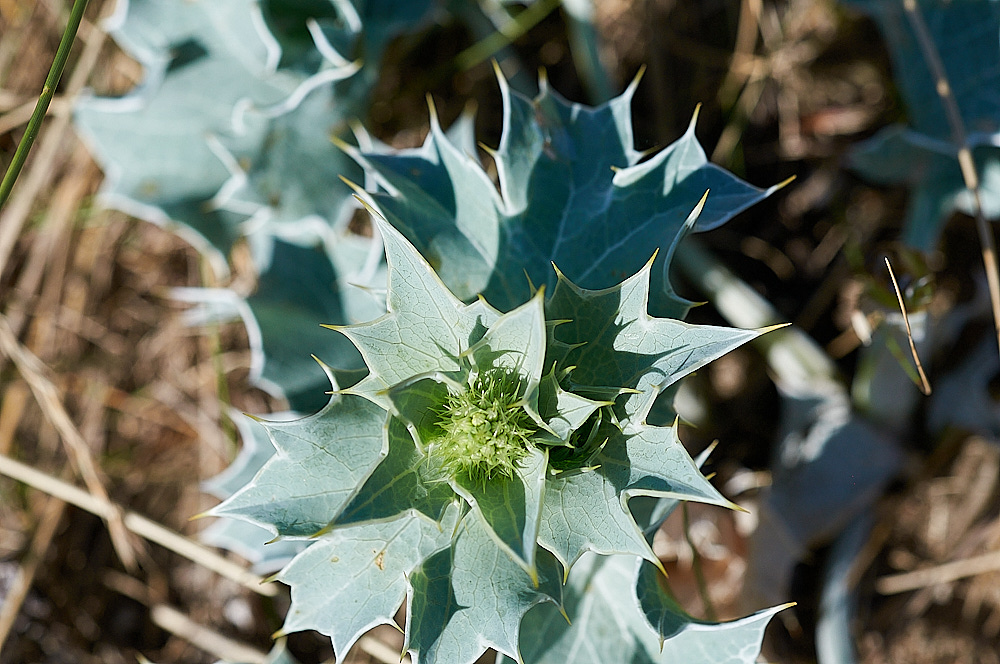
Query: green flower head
{"points": [[484, 429]]}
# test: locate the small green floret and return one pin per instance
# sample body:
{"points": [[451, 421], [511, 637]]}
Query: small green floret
{"points": [[484, 430]]}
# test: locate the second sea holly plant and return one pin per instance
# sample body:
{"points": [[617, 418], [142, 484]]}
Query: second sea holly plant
{"points": [[484, 453]]}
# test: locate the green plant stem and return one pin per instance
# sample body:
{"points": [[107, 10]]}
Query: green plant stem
{"points": [[584, 47], [699, 573], [44, 99], [505, 34]]}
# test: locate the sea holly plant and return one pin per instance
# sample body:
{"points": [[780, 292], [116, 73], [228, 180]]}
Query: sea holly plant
{"points": [[483, 455]]}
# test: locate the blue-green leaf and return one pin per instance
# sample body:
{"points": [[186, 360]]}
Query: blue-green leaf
{"points": [[425, 330], [572, 192], [607, 624], [612, 342], [404, 481], [924, 154], [243, 537], [319, 463], [355, 578], [510, 507], [473, 597], [156, 144]]}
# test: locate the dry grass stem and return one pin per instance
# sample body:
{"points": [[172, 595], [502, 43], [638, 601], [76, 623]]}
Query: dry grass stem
{"points": [[925, 385], [180, 625], [226, 649], [15, 117], [946, 573], [138, 524], [33, 372]]}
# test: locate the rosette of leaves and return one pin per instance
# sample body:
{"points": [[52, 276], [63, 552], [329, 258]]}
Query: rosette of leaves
{"points": [[482, 456]]}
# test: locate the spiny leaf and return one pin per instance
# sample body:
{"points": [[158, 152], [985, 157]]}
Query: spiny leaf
{"points": [[227, 142], [563, 412], [298, 291], [319, 463], [473, 597], [243, 537], [450, 382], [355, 578], [510, 507], [573, 192], [588, 511], [404, 481], [229, 135], [425, 330], [612, 342], [200, 59], [583, 512], [607, 625]]}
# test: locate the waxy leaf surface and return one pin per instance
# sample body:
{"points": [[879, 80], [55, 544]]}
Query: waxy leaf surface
{"points": [[607, 624], [473, 597], [612, 341], [355, 578], [572, 192], [319, 463]]}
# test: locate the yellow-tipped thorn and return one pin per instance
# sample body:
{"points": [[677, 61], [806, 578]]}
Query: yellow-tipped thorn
{"points": [[355, 187], [659, 565], [432, 109], [343, 146], [498, 72], [772, 328], [639, 74], [368, 206], [736, 508], [531, 285], [783, 183], [697, 112]]}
